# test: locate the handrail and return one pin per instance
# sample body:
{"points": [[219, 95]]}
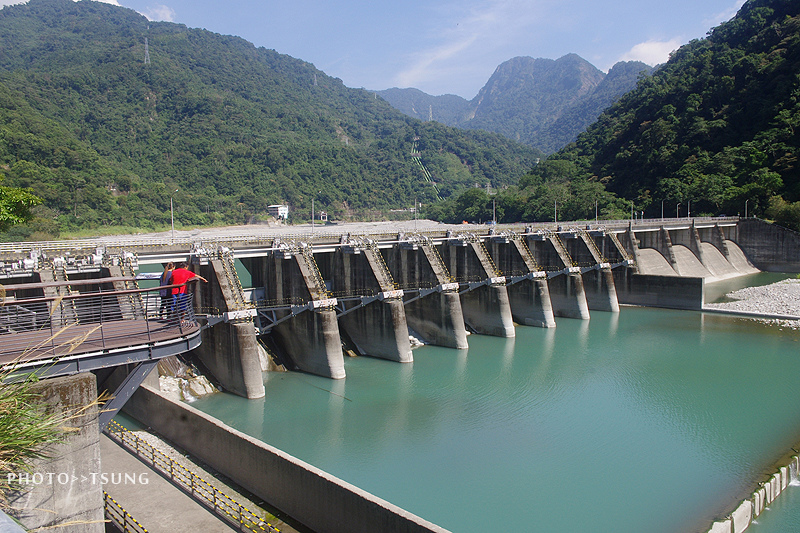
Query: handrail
{"points": [[126, 292], [120, 517], [58, 326], [201, 490]]}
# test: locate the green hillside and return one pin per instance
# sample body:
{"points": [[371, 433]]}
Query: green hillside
{"points": [[106, 139], [715, 127]]}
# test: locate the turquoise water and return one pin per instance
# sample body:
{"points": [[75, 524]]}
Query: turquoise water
{"points": [[782, 516], [650, 420]]}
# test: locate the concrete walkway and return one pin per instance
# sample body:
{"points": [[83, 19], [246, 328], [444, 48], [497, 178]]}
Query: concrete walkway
{"points": [[158, 505]]}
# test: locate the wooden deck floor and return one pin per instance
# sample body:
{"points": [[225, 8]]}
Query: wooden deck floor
{"points": [[74, 340]]}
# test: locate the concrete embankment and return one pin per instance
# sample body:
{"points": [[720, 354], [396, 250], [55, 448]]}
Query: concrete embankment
{"points": [[764, 494], [776, 301], [317, 499]]}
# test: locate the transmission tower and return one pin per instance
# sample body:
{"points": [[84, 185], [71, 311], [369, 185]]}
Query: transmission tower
{"points": [[146, 52]]}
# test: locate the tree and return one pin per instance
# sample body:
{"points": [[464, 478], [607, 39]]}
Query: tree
{"points": [[16, 205]]}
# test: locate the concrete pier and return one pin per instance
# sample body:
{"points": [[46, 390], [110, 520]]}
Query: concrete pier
{"points": [[600, 291], [567, 294], [379, 328], [598, 280], [434, 310], [484, 301], [229, 350], [311, 339], [528, 291]]}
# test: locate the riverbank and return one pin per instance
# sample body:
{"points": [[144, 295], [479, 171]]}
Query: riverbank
{"points": [[778, 301]]}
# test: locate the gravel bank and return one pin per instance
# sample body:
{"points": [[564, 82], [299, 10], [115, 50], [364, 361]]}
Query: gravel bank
{"points": [[781, 298]]}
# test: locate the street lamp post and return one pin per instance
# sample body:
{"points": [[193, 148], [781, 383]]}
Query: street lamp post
{"points": [[662, 209], [172, 215], [745, 207], [312, 212], [677, 210]]}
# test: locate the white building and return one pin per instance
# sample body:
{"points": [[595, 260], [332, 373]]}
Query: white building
{"points": [[279, 211]]}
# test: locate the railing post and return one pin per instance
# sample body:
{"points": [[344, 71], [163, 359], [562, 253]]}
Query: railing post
{"points": [[102, 331]]}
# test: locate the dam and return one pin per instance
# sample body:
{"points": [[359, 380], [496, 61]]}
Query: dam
{"points": [[312, 302]]}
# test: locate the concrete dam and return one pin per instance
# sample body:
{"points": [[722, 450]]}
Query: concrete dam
{"points": [[312, 298]]}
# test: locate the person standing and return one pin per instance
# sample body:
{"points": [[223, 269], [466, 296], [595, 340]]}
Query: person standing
{"points": [[166, 294], [181, 276]]}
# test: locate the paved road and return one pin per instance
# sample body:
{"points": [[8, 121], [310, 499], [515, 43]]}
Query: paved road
{"points": [[408, 226]]}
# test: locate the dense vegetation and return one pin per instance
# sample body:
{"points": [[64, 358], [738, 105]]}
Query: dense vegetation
{"points": [[543, 103], [222, 127], [715, 126]]}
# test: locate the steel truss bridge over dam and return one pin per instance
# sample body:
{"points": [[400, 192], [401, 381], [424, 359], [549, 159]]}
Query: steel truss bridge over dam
{"points": [[317, 294]]}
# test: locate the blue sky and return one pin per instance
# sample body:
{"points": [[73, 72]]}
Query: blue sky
{"points": [[447, 46]]}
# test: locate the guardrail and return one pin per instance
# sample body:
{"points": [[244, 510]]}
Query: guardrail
{"points": [[202, 491], [120, 517], [86, 322]]}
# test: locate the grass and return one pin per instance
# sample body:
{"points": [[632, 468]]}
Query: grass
{"points": [[26, 428]]}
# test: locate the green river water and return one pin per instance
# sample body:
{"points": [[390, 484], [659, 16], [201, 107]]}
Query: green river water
{"points": [[650, 420]]}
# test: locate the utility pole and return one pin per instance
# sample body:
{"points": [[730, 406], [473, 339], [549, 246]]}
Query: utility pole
{"points": [[172, 214]]}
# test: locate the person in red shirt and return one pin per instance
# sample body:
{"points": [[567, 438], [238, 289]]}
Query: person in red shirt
{"points": [[180, 276]]}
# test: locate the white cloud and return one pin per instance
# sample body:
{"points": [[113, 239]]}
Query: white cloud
{"points": [[724, 15], [652, 52], [160, 12], [467, 30]]}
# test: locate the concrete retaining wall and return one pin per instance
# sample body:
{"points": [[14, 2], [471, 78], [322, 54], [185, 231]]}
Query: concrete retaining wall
{"points": [[63, 492], [765, 493], [770, 247], [671, 292], [320, 501]]}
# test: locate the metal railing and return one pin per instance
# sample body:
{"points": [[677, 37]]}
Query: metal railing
{"points": [[87, 322], [204, 492], [120, 517]]}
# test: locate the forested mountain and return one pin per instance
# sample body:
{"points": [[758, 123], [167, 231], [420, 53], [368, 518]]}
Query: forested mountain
{"points": [[106, 139], [543, 103], [716, 126]]}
